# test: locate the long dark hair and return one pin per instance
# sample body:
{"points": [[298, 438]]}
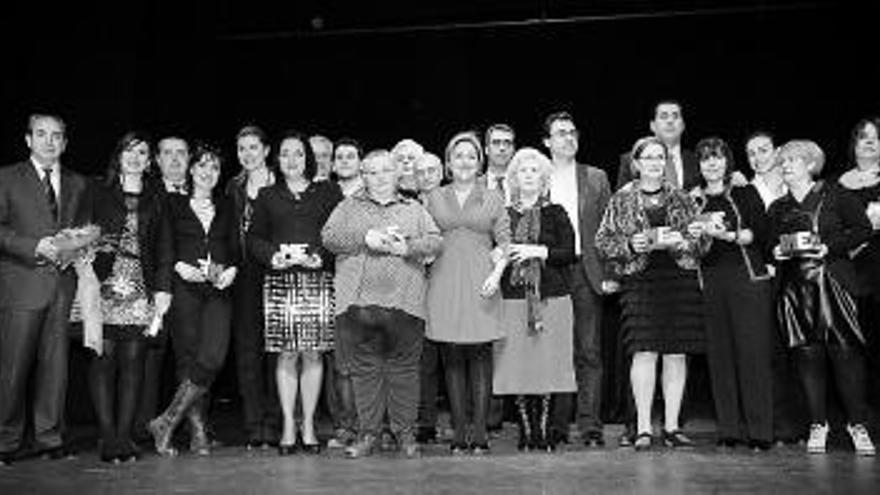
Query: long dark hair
{"points": [[311, 167], [127, 141], [201, 150]]}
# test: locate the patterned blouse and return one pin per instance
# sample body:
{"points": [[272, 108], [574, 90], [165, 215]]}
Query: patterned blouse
{"points": [[124, 299], [625, 216]]}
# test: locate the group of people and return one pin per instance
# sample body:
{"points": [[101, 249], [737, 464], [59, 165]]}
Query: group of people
{"points": [[355, 276]]}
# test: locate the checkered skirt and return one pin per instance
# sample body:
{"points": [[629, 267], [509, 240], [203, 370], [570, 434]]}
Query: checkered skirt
{"points": [[298, 311]]}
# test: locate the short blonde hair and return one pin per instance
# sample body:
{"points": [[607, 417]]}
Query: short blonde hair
{"points": [[521, 157], [407, 144], [466, 137], [807, 150]]}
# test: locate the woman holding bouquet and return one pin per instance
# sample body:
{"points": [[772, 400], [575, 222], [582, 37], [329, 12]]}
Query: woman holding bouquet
{"points": [[285, 236], [127, 211], [197, 258]]}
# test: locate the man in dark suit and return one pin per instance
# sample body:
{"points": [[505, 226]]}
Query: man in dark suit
{"points": [[38, 197], [584, 192], [683, 168]]}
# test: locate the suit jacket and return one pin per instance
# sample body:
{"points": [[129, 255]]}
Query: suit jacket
{"points": [[25, 218], [594, 191], [690, 165], [182, 237]]}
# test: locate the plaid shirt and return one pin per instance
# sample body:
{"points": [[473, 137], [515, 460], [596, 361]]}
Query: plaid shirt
{"points": [[365, 277]]}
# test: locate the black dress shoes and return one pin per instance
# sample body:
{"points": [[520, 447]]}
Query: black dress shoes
{"points": [[58, 453], [594, 439]]}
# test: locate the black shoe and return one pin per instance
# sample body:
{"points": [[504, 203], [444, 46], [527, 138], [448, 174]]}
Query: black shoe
{"points": [[626, 439], [6, 458], [676, 439], [58, 453], [311, 448], [128, 451], [426, 434], [481, 448], [594, 439], [254, 444], [458, 448], [558, 437], [643, 441], [726, 442], [286, 450], [760, 445]]}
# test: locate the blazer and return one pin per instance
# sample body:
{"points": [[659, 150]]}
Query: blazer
{"points": [[182, 237], [25, 218], [110, 214], [690, 166], [594, 192]]}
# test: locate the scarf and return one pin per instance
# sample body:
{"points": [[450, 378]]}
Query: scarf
{"points": [[527, 273]]}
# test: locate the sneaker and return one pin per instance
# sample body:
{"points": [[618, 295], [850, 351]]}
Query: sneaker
{"points": [[818, 438], [362, 448], [860, 439]]}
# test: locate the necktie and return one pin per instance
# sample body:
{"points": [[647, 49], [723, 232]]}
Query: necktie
{"points": [[49, 190], [499, 184], [671, 171]]}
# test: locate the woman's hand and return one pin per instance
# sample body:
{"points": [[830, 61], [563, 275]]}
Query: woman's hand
{"points": [[522, 252], [640, 243], [226, 278], [189, 272], [743, 237], [490, 285], [820, 252], [312, 261], [778, 254]]}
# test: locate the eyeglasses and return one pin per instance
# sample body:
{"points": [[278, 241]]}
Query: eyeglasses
{"points": [[565, 133]]}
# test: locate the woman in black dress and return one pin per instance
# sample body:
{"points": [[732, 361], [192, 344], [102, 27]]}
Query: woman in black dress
{"points": [[645, 242], [127, 209], [285, 237], [816, 228], [737, 298], [198, 256]]}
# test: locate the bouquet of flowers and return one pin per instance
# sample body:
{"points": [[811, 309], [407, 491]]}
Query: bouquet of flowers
{"points": [[75, 243]]}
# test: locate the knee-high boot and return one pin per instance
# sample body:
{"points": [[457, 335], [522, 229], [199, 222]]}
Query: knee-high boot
{"points": [[199, 443], [162, 427], [525, 423]]}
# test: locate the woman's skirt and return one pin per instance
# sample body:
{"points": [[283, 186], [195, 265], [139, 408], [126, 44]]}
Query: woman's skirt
{"points": [[298, 311], [662, 309], [539, 363], [814, 308]]}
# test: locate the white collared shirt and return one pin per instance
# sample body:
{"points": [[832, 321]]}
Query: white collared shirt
{"points": [[55, 176], [564, 191], [175, 187], [768, 195]]}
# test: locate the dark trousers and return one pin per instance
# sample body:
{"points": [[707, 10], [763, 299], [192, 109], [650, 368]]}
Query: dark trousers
{"points": [[154, 386], [739, 347], [469, 387], [387, 347], [428, 377], [790, 418], [115, 382], [201, 332], [255, 368], [34, 341], [342, 407], [587, 305]]}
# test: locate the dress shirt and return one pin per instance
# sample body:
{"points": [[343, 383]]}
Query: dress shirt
{"points": [[563, 191], [55, 178]]}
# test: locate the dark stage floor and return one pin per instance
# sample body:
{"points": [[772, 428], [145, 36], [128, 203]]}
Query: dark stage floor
{"points": [[505, 471]]}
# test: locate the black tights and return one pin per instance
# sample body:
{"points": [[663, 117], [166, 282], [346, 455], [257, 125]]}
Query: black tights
{"points": [[468, 366], [115, 379], [849, 375]]}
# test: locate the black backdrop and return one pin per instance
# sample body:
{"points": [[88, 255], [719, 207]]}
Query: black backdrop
{"points": [[206, 68]]}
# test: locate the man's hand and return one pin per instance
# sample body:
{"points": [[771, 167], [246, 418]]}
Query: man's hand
{"points": [[189, 273], [46, 249]]}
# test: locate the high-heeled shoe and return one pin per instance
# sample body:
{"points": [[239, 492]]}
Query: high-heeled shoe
{"points": [[643, 441], [676, 439], [458, 448], [479, 448], [311, 448], [286, 450]]}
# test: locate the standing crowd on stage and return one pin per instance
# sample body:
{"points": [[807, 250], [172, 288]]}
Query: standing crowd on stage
{"points": [[372, 278]]}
